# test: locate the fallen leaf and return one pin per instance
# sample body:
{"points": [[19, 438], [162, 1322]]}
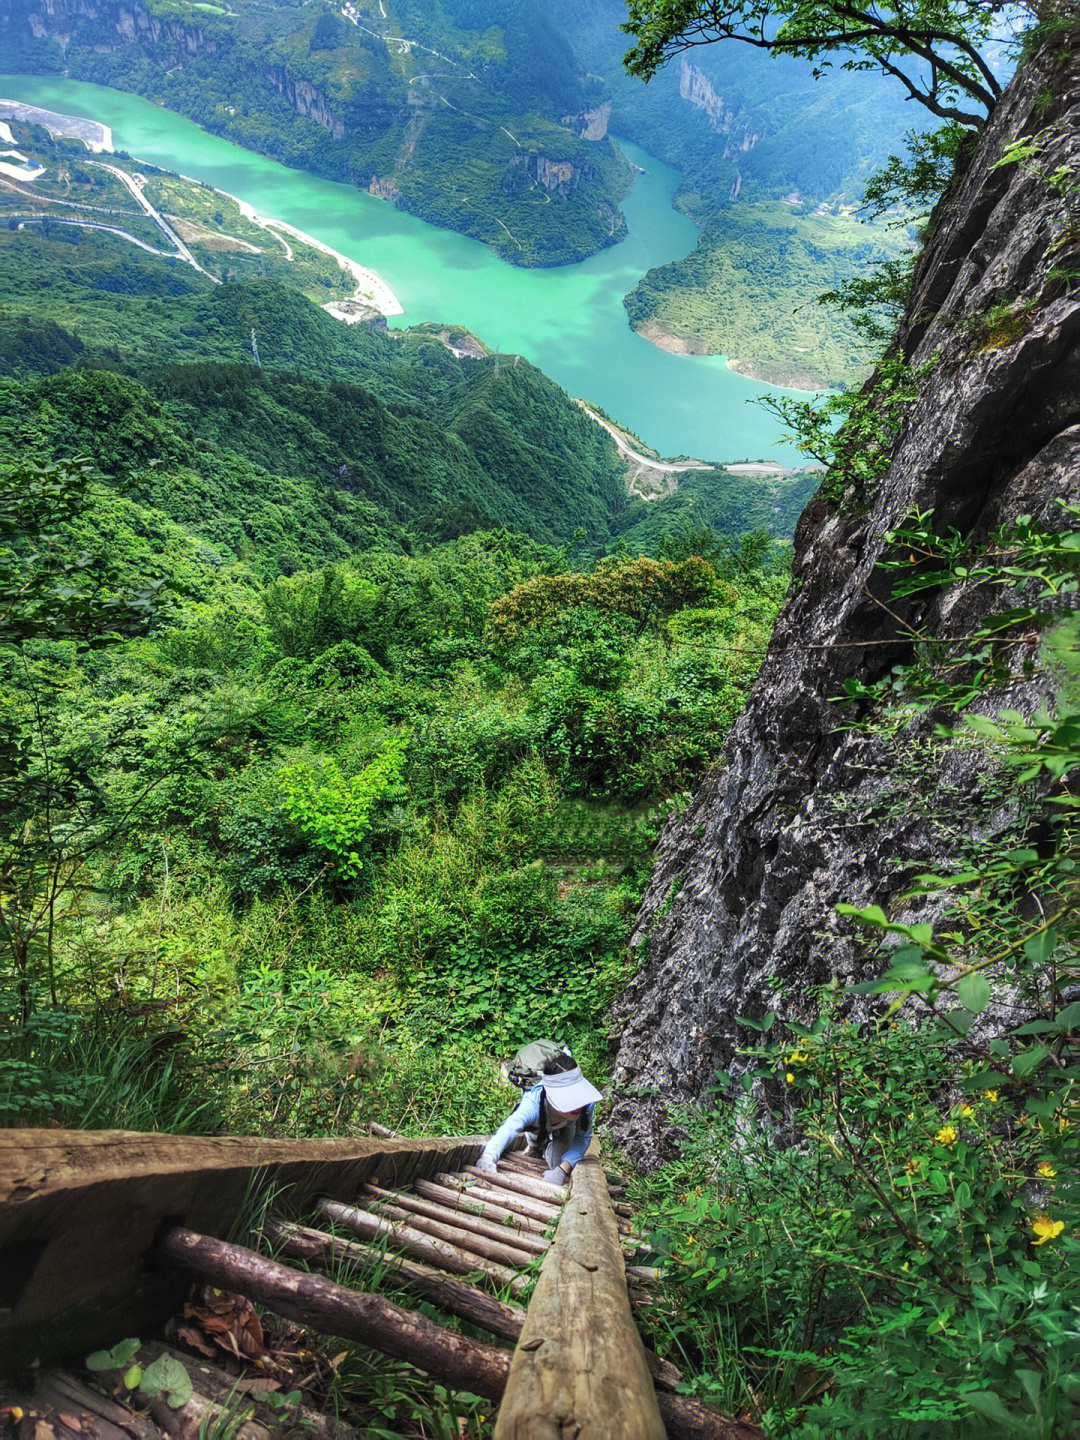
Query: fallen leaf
{"points": [[190, 1336], [336, 1361], [71, 1422], [257, 1385], [44, 1431]]}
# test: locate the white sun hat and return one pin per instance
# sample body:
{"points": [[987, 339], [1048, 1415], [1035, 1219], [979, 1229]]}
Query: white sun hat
{"points": [[570, 1091]]}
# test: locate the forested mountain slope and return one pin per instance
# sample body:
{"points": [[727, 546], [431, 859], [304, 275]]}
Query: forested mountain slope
{"points": [[816, 802]]}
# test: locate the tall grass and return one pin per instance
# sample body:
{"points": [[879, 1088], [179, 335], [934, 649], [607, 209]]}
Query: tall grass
{"points": [[104, 1073]]}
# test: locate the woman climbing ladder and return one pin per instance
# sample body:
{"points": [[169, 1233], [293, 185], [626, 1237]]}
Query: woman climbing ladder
{"points": [[557, 1114]]}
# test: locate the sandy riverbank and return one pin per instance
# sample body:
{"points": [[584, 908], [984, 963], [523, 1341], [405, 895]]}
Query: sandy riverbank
{"points": [[92, 133], [371, 289]]}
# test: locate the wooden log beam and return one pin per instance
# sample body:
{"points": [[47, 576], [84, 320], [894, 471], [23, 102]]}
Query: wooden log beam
{"points": [[424, 1247], [541, 1210], [449, 1356], [456, 1296], [449, 1215], [579, 1367], [459, 1199], [80, 1211]]}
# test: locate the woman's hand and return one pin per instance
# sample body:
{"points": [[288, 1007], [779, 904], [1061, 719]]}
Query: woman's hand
{"points": [[558, 1176]]}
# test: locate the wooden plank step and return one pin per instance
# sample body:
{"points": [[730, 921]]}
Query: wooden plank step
{"points": [[80, 1211], [541, 1210], [511, 1234], [520, 1184], [457, 1297], [461, 1200], [498, 1250]]}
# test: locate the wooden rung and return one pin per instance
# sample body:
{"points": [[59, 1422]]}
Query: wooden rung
{"points": [[500, 1251], [644, 1274], [425, 1247], [459, 1200], [456, 1296], [521, 1185], [527, 1165], [451, 1215], [535, 1209], [331, 1309]]}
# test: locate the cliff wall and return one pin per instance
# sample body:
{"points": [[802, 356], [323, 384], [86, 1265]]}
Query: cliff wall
{"points": [[804, 811]]}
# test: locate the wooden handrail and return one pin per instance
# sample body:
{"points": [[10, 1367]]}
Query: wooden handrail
{"points": [[579, 1367], [81, 1211]]}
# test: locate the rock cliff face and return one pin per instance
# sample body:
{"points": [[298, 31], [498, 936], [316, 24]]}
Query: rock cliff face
{"points": [[591, 124], [126, 23], [804, 812], [696, 90], [558, 177], [307, 99]]}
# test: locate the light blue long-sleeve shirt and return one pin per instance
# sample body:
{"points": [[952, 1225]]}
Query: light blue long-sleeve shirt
{"points": [[527, 1117]]}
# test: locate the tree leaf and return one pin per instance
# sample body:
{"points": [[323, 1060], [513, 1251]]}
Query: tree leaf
{"points": [[987, 1404], [973, 993]]}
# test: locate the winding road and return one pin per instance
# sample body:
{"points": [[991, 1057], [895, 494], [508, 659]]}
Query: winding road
{"points": [[665, 467]]}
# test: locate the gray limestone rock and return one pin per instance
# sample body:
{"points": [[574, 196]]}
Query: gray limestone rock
{"points": [[804, 811]]}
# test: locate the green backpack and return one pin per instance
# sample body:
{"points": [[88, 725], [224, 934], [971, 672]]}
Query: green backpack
{"points": [[526, 1069]]}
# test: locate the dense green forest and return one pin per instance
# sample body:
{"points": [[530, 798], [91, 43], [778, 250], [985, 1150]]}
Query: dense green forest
{"points": [[750, 291], [370, 581], [344, 693]]}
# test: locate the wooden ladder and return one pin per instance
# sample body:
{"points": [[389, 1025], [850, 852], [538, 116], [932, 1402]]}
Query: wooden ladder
{"points": [[100, 1233]]}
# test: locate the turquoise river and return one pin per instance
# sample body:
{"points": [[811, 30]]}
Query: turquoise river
{"points": [[569, 321]]}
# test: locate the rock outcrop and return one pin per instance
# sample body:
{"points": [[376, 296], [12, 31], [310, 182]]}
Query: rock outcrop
{"points": [[591, 124], [306, 99], [806, 811]]}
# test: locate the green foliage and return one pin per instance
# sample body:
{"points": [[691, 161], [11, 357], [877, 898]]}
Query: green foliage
{"points": [[748, 291], [335, 812], [853, 434], [949, 35]]}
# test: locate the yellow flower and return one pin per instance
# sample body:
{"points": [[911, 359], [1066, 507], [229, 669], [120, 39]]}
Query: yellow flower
{"points": [[914, 1165], [946, 1135], [991, 1095], [1046, 1170], [789, 1077], [1047, 1229], [798, 1057], [967, 1111]]}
